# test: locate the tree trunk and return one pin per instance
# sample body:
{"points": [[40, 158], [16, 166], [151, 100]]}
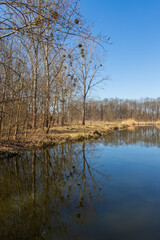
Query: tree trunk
{"points": [[35, 90], [48, 84], [16, 125], [84, 111], [2, 105]]}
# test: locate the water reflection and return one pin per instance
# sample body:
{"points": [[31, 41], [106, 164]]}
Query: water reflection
{"points": [[64, 192], [48, 194], [143, 136]]}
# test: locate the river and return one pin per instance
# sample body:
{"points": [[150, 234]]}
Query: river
{"points": [[103, 189]]}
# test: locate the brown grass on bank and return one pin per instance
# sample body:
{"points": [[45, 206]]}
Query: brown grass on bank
{"points": [[68, 133], [130, 122], [59, 135], [158, 124]]}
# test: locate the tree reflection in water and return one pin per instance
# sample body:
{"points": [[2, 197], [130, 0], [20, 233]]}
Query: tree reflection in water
{"points": [[145, 136], [53, 193], [48, 194]]}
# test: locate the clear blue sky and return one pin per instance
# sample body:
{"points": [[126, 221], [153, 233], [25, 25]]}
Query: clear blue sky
{"points": [[133, 60]]}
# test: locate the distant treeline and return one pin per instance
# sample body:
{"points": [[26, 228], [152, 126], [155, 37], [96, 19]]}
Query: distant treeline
{"points": [[119, 109]]}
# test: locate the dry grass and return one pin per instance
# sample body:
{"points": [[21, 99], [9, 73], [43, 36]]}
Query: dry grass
{"points": [[158, 124], [130, 122], [71, 133], [59, 135], [141, 123]]}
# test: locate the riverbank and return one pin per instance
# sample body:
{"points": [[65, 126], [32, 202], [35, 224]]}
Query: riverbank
{"points": [[59, 135]]}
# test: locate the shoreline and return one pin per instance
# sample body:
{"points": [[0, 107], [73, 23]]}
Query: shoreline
{"points": [[66, 134]]}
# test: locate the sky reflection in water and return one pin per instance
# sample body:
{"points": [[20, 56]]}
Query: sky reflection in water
{"points": [[108, 189]]}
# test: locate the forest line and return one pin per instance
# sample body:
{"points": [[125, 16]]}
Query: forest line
{"points": [[49, 62]]}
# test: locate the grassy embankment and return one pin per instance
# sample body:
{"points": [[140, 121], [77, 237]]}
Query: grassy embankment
{"points": [[72, 133], [132, 123]]}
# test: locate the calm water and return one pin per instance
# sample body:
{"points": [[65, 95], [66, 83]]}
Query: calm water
{"points": [[105, 189]]}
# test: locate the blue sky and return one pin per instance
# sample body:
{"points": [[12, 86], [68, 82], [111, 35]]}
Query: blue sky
{"points": [[133, 60]]}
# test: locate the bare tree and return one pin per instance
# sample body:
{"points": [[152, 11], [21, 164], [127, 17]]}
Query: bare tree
{"points": [[40, 41], [88, 69]]}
